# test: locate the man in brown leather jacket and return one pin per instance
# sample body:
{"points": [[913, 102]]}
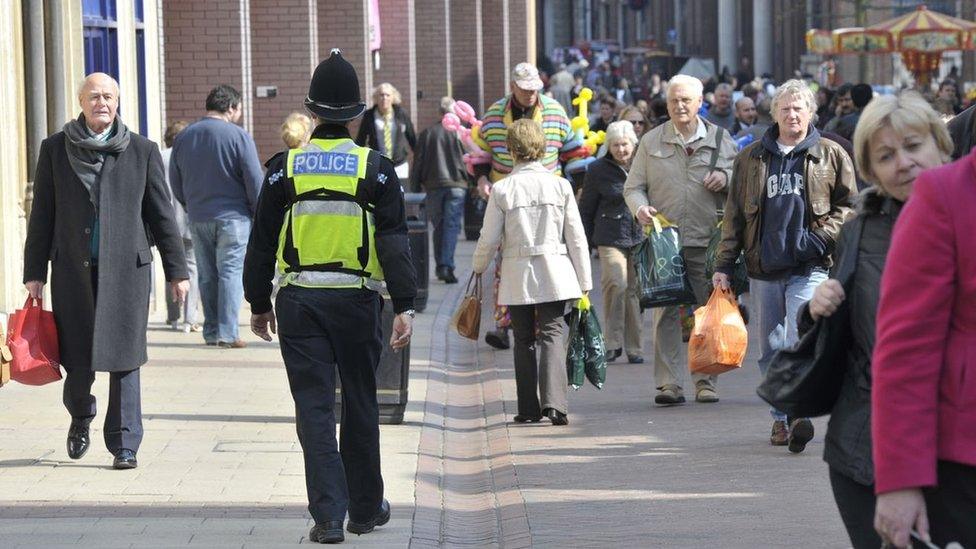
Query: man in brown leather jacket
{"points": [[790, 194]]}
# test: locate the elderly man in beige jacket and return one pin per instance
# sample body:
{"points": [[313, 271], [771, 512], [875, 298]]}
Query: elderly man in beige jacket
{"points": [[532, 214], [681, 170]]}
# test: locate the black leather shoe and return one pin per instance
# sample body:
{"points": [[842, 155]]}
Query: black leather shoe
{"points": [[440, 272], [614, 354], [379, 519], [449, 277], [635, 359], [523, 418], [125, 459], [78, 440], [557, 417], [498, 339], [329, 531]]}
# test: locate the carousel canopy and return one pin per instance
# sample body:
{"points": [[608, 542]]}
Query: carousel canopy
{"points": [[921, 32]]}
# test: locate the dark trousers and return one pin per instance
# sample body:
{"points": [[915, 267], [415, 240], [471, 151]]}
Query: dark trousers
{"points": [[952, 505], [320, 329], [855, 502], [123, 419], [544, 376]]}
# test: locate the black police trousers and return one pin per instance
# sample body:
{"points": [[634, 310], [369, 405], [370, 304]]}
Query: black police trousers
{"points": [[320, 329]]}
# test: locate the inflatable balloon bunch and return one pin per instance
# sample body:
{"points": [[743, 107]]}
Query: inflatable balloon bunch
{"points": [[584, 145], [455, 122]]}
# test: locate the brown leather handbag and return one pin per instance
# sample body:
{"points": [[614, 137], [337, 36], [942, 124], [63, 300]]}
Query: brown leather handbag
{"points": [[467, 318]]}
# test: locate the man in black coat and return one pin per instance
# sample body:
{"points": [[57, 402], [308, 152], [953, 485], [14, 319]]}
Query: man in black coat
{"points": [[100, 199]]}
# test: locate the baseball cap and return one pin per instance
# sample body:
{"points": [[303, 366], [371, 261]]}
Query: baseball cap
{"points": [[526, 76]]}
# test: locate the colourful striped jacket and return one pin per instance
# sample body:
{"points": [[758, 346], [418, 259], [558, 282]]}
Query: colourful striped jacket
{"points": [[559, 137]]}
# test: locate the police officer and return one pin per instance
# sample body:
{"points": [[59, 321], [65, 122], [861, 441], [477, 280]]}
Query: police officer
{"points": [[331, 216]]}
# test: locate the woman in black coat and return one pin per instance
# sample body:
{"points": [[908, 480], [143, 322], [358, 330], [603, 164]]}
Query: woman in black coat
{"points": [[101, 259], [386, 112], [896, 138], [611, 227]]}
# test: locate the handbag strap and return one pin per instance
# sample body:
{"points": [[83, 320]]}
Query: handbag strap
{"points": [[719, 134], [474, 279]]}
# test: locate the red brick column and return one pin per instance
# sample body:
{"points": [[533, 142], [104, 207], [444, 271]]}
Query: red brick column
{"points": [[280, 44], [202, 42]]}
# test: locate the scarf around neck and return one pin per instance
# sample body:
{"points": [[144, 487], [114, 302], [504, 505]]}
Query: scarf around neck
{"points": [[86, 153]]}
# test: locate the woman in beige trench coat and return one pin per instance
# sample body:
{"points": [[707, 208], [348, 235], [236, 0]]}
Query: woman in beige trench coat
{"points": [[532, 215]]}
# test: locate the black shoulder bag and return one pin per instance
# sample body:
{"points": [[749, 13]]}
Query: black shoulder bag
{"points": [[805, 381]]}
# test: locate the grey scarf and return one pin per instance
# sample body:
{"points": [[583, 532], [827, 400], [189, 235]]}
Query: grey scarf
{"points": [[86, 154]]}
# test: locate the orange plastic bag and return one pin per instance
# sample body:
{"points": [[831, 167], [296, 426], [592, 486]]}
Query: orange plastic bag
{"points": [[719, 339]]}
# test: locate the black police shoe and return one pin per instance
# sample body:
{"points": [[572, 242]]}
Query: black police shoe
{"points": [[379, 519], [125, 459], [78, 440], [329, 531]]}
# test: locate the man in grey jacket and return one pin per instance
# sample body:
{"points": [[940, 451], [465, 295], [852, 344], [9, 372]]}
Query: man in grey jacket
{"points": [[438, 167], [682, 170]]}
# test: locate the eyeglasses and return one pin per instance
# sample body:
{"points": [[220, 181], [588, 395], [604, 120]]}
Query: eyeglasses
{"points": [[635, 122]]}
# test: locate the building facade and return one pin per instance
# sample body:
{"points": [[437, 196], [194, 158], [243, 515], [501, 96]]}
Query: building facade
{"points": [[770, 32], [46, 49], [425, 48]]}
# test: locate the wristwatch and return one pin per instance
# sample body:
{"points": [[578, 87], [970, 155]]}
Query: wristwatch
{"points": [[410, 312]]}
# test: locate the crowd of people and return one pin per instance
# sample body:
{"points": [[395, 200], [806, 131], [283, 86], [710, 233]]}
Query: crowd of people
{"points": [[772, 171], [789, 205]]}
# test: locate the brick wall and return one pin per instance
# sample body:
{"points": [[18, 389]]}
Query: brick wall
{"points": [[341, 26], [431, 53], [203, 49], [464, 54], [395, 52], [278, 58], [494, 43]]}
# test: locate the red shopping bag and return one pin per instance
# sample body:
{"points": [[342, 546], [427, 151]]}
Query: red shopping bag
{"points": [[33, 342]]}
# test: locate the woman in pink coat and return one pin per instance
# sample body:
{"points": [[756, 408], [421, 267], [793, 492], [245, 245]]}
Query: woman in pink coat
{"points": [[924, 365]]}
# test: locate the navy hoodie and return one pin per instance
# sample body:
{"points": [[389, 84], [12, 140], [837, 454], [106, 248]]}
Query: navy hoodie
{"points": [[786, 245]]}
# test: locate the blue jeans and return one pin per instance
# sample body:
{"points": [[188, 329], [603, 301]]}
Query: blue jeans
{"points": [[219, 246], [777, 303], [445, 207]]}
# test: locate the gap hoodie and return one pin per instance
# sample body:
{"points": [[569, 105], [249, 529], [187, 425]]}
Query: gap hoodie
{"points": [[786, 244]]}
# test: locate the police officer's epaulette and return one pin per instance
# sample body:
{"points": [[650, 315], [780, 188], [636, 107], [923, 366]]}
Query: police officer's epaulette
{"points": [[372, 164]]}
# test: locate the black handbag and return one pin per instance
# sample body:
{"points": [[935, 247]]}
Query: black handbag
{"points": [[805, 380]]}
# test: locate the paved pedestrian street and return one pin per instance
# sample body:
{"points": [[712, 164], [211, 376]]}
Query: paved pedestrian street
{"points": [[220, 465]]}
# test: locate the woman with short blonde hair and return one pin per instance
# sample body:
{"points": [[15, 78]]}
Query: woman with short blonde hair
{"points": [[903, 113], [296, 130], [532, 215], [897, 138]]}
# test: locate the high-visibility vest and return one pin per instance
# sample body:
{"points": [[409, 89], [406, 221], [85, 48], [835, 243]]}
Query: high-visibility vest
{"points": [[327, 240]]}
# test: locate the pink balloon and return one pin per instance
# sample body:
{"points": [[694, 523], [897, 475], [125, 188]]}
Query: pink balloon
{"points": [[451, 122], [465, 112]]}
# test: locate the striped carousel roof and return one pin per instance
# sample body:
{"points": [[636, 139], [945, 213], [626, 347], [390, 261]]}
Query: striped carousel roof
{"points": [[924, 20]]}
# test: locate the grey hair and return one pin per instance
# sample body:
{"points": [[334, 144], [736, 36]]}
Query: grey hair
{"points": [[84, 82], [447, 104], [690, 82], [389, 88], [794, 88], [621, 129]]}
